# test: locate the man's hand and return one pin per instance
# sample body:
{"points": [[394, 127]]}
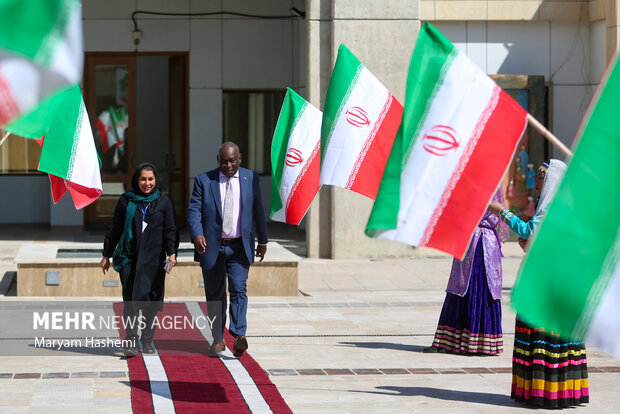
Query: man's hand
{"points": [[200, 244], [105, 264], [172, 262], [261, 249]]}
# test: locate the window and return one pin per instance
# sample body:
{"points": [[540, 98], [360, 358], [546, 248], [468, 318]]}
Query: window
{"points": [[19, 155], [250, 118]]}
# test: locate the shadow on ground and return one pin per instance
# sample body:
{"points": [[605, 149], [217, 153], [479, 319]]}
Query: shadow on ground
{"points": [[384, 345], [446, 395], [193, 392]]}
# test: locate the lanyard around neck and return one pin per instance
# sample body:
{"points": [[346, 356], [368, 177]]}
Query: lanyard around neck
{"points": [[143, 210]]}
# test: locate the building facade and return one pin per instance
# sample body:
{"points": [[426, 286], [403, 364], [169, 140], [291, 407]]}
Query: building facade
{"points": [[185, 77]]}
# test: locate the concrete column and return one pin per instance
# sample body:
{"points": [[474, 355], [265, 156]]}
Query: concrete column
{"points": [[382, 37]]}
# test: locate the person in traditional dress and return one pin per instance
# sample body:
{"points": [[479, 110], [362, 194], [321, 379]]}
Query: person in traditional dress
{"points": [[547, 371], [141, 237], [471, 318]]}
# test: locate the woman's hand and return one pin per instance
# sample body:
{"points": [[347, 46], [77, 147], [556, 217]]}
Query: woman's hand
{"points": [[523, 243], [105, 264], [172, 261], [495, 207]]}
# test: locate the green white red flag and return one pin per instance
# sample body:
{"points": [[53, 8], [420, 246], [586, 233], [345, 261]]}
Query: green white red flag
{"points": [[457, 136], [295, 159], [570, 280], [68, 155], [360, 120], [111, 125], [40, 52]]}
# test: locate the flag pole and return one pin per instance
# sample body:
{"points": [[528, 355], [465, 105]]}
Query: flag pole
{"points": [[547, 134], [4, 138]]}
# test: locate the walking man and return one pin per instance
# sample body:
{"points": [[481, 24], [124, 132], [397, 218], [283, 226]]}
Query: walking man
{"points": [[225, 211]]}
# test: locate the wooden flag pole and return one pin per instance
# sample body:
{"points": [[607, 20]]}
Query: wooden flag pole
{"points": [[547, 134], [4, 138]]}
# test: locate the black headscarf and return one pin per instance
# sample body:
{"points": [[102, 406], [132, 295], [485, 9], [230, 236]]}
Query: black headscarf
{"points": [[135, 188]]}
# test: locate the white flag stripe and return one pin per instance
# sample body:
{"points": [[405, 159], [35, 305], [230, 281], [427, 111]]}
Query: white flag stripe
{"points": [[250, 392], [369, 140], [460, 102], [342, 154], [68, 55], [23, 79], [84, 168], [160, 388], [304, 138], [603, 331]]}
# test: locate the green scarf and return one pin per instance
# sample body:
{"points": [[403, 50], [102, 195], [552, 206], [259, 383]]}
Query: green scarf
{"points": [[121, 254]]}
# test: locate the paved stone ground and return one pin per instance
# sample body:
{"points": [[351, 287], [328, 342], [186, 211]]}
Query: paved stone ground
{"points": [[350, 342]]}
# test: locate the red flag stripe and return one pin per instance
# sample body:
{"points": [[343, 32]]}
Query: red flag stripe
{"points": [[9, 109], [82, 196], [479, 178]]}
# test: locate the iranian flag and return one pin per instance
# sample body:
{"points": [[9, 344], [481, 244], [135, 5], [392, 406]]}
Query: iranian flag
{"points": [[570, 280], [40, 52], [457, 136], [68, 155], [295, 159], [111, 125], [360, 120]]}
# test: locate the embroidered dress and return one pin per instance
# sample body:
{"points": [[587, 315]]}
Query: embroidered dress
{"points": [[546, 370], [471, 317]]}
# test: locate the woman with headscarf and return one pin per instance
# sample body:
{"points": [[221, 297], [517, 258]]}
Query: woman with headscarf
{"points": [[471, 317], [140, 238], [546, 370]]}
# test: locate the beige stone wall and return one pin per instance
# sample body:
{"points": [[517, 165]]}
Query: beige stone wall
{"points": [[86, 280], [613, 34], [503, 10], [528, 10], [382, 37]]}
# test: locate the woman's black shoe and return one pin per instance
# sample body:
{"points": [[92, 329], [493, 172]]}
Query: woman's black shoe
{"points": [[130, 351]]}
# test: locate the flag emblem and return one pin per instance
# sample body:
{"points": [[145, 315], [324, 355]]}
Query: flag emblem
{"points": [[440, 140], [8, 106], [293, 157], [357, 117]]}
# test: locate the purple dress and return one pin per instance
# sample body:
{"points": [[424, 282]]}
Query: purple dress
{"points": [[471, 318]]}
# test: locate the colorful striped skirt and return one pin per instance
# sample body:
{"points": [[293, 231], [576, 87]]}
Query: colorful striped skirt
{"points": [[471, 324], [547, 371]]}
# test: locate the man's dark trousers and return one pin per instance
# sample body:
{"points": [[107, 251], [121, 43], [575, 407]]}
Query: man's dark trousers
{"points": [[231, 263]]}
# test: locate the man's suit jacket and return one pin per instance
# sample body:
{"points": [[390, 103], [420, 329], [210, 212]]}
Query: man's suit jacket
{"points": [[205, 214]]}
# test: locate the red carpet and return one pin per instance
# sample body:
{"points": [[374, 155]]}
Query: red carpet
{"points": [[181, 377]]}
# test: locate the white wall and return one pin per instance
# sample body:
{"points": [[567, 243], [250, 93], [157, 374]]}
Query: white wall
{"points": [[565, 53]]}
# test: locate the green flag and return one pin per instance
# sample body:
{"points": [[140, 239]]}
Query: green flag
{"points": [[570, 280], [69, 155], [40, 52]]}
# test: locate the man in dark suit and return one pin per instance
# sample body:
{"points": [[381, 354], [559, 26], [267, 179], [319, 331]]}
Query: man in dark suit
{"points": [[225, 208]]}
